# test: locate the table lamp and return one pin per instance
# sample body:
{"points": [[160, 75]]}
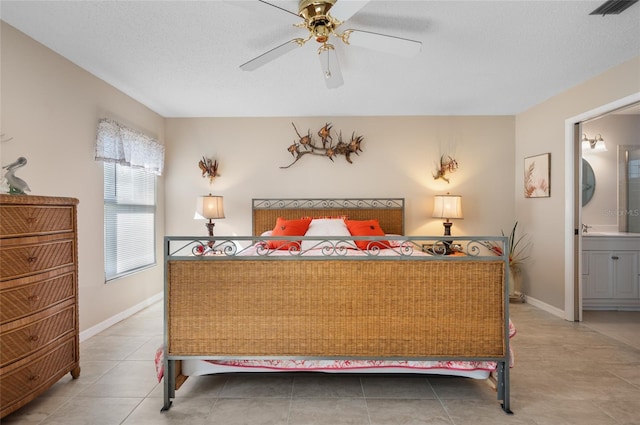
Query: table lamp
{"points": [[209, 207], [447, 207]]}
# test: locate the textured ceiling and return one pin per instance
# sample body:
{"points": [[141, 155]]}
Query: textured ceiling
{"points": [[181, 58]]}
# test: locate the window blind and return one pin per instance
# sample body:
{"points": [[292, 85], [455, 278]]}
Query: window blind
{"points": [[129, 219]]}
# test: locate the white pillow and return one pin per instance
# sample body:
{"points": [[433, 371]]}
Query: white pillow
{"points": [[324, 227], [395, 243]]}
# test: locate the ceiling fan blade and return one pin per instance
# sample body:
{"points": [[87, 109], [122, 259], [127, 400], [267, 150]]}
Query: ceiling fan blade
{"points": [[272, 54], [344, 9], [330, 66], [381, 42], [279, 7]]}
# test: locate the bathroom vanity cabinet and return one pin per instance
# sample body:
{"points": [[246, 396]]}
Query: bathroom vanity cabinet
{"points": [[611, 272]]}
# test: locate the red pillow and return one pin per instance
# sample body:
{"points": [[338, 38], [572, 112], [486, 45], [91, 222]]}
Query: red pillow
{"points": [[288, 228], [366, 228]]}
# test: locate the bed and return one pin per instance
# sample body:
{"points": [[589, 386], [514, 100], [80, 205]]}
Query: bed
{"points": [[375, 301]]}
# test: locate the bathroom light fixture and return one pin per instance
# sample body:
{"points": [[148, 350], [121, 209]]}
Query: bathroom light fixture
{"points": [[594, 145]]}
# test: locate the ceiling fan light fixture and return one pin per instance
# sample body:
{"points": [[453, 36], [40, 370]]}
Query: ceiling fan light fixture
{"points": [[321, 31]]}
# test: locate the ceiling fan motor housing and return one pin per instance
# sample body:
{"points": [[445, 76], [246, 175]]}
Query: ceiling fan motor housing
{"points": [[317, 19]]}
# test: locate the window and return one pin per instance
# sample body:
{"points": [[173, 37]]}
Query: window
{"points": [[132, 160], [129, 219]]}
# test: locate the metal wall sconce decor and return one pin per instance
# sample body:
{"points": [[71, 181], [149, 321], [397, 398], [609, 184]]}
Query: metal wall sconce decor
{"points": [[447, 165], [209, 168], [307, 145]]}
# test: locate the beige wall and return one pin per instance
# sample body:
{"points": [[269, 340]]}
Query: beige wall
{"points": [[50, 108], [602, 211], [398, 159], [542, 129]]}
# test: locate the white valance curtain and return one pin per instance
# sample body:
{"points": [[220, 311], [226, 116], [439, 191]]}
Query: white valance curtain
{"points": [[117, 143]]}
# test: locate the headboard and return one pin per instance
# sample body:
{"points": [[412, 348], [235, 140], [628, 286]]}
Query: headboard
{"points": [[388, 211]]}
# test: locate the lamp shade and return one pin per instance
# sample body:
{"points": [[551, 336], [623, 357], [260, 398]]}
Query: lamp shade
{"points": [[209, 207], [447, 206], [599, 146]]}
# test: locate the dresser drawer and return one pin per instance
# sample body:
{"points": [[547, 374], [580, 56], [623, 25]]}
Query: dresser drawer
{"points": [[20, 220], [27, 298], [22, 383], [24, 260], [29, 335]]}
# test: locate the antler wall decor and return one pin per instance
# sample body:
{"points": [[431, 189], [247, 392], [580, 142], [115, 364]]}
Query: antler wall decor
{"points": [[306, 145], [209, 168], [447, 165]]}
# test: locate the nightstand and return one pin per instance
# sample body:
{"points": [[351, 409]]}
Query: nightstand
{"points": [[439, 247]]}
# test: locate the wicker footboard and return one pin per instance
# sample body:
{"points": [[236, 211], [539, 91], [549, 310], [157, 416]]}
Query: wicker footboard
{"points": [[322, 305], [367, 309]]}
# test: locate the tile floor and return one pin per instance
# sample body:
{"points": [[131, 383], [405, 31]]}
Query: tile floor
{"points": [[565, 373]]}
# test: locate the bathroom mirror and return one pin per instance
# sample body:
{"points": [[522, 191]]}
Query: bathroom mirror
{"points": [[629, 188], [588, 182]]}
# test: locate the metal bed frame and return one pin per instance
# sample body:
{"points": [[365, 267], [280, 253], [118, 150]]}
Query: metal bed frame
{"points": [[179, 249]]}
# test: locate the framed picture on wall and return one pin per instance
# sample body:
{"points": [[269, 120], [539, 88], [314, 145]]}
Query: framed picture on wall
{"points": [[537, 176]]}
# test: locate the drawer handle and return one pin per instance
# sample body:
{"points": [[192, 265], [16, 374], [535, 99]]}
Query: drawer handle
{"points": [[615, 257], [32, 259], [34, 298], [32, 220], [33, 338], [34, 378]]}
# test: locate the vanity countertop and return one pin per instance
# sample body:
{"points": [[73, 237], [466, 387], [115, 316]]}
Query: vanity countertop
{"points": [[611, 234]]}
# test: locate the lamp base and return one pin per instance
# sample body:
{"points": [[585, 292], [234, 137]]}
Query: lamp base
{"points": [[449, 243], [210, 226]]}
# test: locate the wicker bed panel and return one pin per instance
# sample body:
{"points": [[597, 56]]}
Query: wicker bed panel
{"points": [[310, 308], [390, 219]]}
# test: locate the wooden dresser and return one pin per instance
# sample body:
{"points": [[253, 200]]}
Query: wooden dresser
{"points": [[39, 338]]}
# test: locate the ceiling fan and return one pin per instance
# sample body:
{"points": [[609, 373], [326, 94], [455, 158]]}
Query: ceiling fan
{"points": [[322, 19]]}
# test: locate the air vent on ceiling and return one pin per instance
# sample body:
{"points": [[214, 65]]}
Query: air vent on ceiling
{"points": [[613, 7]]}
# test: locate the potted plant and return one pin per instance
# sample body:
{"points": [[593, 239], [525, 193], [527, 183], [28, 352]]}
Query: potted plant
{"points": [[518, 252]]}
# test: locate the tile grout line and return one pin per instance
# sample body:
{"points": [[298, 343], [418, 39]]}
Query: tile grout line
{"points": [[444, 408], [364, 396]]}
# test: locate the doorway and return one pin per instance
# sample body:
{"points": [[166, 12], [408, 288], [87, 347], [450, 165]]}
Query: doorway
{"points": [[573, 203]]}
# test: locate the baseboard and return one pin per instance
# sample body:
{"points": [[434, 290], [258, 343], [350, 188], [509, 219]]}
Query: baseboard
{"points": [[546, 307], [94, 330]]}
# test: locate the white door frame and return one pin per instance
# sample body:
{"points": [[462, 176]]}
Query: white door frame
{"points": [[570, 254]]}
